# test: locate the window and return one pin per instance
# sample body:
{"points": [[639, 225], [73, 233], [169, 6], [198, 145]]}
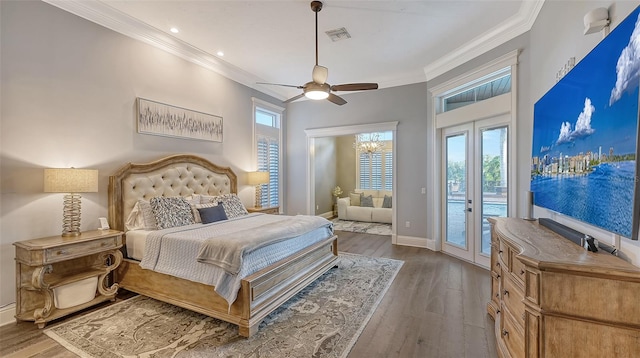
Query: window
{"points": [[267, 118], [374, 161], [489, 86]]}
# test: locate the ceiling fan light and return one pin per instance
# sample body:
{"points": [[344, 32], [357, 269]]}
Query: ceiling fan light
{"points": [[316, 94], [316, 91]]}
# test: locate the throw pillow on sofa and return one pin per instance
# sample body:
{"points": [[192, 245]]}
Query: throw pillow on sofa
{"points": [[366, 201], [355, 198], [386, 202]]}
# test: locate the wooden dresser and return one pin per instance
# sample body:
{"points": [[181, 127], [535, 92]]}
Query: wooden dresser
{"points": [[552, 298]]}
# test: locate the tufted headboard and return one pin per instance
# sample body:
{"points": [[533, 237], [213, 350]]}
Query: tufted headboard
{"points": [[177, 175]]}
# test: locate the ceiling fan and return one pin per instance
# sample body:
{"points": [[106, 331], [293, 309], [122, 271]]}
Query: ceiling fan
{"points": [[318, 88]]}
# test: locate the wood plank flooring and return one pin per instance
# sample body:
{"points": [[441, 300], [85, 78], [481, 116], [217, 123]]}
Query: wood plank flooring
{"points": [[436, 307]]}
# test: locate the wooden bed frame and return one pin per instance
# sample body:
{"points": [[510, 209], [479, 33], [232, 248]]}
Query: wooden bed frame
{"points": [[260, 293]]}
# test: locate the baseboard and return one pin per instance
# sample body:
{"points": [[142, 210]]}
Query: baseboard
{"points": [[328, 215], [7, 314], [416, 242]]}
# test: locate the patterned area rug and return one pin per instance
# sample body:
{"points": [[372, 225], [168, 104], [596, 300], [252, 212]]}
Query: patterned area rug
{"points": [[323, 320], [361, 226]]}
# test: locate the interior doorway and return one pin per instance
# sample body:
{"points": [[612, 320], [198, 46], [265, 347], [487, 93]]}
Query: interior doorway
{"points": [[315, 137]]}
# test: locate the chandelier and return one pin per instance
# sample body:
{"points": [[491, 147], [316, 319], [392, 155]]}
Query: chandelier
{"points": [[368, 143]]}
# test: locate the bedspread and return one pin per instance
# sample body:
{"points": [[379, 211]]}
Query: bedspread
{"points": [[227, 251], [174, 251]]}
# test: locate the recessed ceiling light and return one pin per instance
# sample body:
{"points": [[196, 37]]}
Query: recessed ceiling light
{"points": [[220, 53], [174, 30]]}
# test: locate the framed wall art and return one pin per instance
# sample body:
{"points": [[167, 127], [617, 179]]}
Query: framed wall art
{"points": [[170, 121]]}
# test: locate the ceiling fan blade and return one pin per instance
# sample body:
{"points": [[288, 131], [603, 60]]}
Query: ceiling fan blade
{"points": [[355, 87], [294, 98], [336, 99], [320, 74], [279, 84]]}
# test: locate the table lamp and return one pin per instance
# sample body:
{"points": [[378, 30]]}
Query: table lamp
{"points": [[257, 179], [72, 182]]}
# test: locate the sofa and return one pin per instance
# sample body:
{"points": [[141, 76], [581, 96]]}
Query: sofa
{"points": [[351, 208]]}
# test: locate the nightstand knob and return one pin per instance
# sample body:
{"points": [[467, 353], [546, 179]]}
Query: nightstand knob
{"points": [[506, 293], [522, 271], [62, 252], [505, 332]]}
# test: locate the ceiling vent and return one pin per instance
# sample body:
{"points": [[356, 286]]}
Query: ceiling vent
{"points": [[338, 34]]}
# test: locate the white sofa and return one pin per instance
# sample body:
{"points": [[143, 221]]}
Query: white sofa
{"points": [[377, 213]]}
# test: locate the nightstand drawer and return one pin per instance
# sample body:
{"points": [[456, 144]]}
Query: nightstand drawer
{"points": [[70, 251]]}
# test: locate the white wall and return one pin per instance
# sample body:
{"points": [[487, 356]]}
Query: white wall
{"points": [[325, 170], [406, 104], [68, 99]]}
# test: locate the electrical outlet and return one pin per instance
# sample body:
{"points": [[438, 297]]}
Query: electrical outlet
{"points": [[407, 224], [424, 190], [317, 207]]}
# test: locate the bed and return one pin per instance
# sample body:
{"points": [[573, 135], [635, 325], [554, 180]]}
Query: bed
{"points": [[259, 293]]}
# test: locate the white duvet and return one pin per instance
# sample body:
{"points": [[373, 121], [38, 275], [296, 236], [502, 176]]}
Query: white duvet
{"points": [[176, 255]]}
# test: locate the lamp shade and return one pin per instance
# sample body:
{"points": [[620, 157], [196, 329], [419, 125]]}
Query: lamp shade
{"points": [[70, 180], [257, 178]]}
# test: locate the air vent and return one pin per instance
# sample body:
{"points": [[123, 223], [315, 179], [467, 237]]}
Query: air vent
{"points": [[338, 34]]}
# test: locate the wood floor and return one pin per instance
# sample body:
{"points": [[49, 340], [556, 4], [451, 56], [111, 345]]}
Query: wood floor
{"points": [[436, 307]]}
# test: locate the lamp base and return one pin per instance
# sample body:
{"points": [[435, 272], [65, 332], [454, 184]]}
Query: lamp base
{"points": [[71, 215], [258, 203]]}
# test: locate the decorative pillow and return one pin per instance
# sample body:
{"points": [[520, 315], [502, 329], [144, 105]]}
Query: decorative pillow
{"points": [[366, 201], [171, 212], [386, 202], [196, 207], [231, 203], [141, 217], [212, 214], [355, 198]]}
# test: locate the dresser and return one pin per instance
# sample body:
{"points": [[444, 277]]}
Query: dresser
{"points": [[552, 298], [56, 275]]}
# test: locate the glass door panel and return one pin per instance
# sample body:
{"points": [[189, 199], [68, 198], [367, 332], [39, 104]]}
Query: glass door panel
{"points": [[457, 208], [456, 173], [494, 180]]}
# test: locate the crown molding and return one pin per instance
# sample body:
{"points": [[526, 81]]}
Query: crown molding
{"points": [[106, 16], [507, 30]]}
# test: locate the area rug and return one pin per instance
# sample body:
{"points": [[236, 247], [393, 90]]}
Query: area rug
{"points": [[323, 320], [362, 227]]}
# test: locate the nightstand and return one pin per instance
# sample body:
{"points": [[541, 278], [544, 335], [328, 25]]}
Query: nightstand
{"points": [[56, 275], [265, 209]]}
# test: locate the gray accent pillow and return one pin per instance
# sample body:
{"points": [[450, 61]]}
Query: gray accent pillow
{"points": [[232, 205], [366, 201], [171, 212], [212, 214], [386, 202]]}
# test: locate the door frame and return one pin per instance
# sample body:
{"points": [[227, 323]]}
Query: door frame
{"points": [[312, 134]]}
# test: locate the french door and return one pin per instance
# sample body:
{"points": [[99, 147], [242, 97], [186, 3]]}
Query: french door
{"points": [[475, 186]]}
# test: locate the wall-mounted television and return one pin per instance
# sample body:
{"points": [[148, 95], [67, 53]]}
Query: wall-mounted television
{"points": [[585, 136]]}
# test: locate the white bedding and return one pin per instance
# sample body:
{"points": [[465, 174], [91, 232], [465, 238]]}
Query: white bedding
{"points": [[161, 254]]}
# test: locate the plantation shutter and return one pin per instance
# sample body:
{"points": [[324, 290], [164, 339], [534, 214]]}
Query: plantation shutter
{"points": [[268, 161], [388, 170]]}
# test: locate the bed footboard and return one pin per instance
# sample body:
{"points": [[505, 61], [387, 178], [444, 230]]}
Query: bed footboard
{"points": [[260, 293]]}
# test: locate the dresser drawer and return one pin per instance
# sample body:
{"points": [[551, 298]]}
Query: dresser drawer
{"points": [[503, 256], [513, 297], [66, 252], [512, 336], [517, 268]]}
